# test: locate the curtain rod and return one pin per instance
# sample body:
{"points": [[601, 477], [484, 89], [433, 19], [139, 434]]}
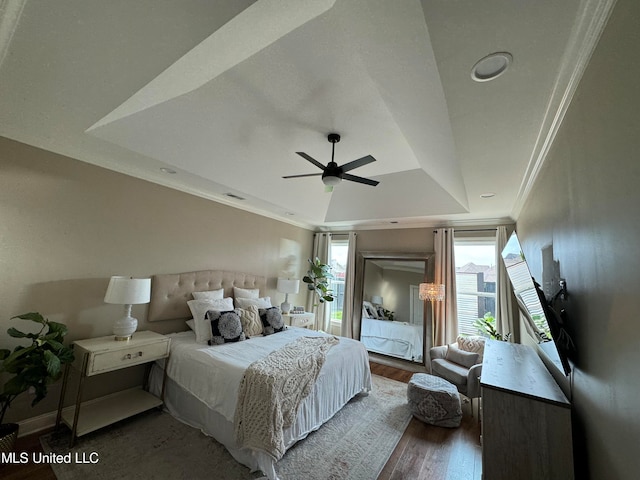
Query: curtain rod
{"points": [[472, 230]]}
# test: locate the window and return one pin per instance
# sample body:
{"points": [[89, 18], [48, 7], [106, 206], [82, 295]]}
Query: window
{"points": [[475, 281], [338, 250]]}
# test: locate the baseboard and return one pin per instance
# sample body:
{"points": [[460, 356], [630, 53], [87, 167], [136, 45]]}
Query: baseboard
{"points": [[397, 363], [37, 424]]}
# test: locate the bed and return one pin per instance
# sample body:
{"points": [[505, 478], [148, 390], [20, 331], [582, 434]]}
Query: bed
{"points": [[394, 338], [203, 382]]}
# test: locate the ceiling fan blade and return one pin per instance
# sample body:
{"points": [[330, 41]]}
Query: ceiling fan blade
{"points": [[311, 159], [357, 163], [366, 181], [304, 175]]}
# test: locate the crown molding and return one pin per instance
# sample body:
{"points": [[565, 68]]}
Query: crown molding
{"points": [[10, 12], [592, 19]]}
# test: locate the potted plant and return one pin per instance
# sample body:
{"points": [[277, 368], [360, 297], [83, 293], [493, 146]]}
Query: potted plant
{"points": [[31, 368], [317, 280], [486, 326]]}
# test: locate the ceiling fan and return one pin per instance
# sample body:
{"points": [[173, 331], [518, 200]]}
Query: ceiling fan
{"points": [[333, 174]]}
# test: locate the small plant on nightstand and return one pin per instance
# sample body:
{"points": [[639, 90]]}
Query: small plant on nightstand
{"points": [[32, 367]]}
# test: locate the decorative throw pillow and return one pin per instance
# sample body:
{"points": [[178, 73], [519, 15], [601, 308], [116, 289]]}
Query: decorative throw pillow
{"points": [[271, 320], [472, 343], [246, 292], [251, 322], [209, 295], [466, 359], [225, 327], [199, 309], [264, 302]]}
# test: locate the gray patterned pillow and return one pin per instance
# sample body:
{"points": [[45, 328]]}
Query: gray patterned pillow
{"points": [[271, 320], [225, 327]]}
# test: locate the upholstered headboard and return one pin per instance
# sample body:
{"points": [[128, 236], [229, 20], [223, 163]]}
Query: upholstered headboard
{"points": [[171, 292]]}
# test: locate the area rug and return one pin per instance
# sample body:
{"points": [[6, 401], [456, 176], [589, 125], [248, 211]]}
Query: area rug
{"points": [[355, 444]]}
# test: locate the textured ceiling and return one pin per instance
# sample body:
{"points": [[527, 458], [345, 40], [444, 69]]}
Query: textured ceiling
{"points": [[224, 93]]}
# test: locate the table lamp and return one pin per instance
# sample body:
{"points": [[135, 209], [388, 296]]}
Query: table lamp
{"points": [[127, 291], [287, 286]]}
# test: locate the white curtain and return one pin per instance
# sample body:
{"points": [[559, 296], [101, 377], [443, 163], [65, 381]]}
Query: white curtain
{"points": [[321, 244], [346, 329], [445, 321], [504, 290]]}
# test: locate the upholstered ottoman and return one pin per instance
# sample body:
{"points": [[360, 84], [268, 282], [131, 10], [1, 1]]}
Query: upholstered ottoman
{"points": [[434, 400]]}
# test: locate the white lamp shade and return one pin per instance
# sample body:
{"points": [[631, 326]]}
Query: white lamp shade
{"points": [[286, 285], [128, 291], [376, 299], [431, 291]]}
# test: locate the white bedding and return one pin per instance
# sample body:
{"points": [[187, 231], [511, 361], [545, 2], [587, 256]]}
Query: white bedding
{"points": [[398, 339], [210, 377]]}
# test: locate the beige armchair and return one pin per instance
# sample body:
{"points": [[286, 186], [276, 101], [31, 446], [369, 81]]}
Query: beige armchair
{"points": [[461, 364]]}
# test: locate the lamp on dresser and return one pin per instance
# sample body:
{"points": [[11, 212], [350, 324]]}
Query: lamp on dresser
{"points": [[287, 286], [127, 291]]}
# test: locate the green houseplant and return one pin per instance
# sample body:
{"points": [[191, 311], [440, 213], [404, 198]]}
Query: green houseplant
{"points": [[486, 326], [31, 368], [317, 280]]}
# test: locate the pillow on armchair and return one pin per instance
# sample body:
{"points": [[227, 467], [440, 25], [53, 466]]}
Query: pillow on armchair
{"points": [[461, 357], [472, 343]]}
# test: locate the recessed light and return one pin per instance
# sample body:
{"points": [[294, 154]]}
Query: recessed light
{"points": [[168, 171], [487, 195], [491, 66]]}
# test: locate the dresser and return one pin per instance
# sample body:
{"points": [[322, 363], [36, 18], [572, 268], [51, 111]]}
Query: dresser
{"points": [[95, 356], [526, 418]]}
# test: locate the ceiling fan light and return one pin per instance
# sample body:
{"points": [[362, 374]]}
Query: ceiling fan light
{"points": [[331, 180]]}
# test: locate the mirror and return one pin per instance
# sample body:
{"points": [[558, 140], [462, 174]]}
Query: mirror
{"points": [[392, 317]]}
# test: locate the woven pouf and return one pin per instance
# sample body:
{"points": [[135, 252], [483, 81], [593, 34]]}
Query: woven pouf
{"points": [[434, 400]]}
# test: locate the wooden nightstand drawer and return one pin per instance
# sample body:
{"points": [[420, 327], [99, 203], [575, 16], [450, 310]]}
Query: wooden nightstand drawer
{"points": [[135, 355], [105, 354], [299, 319]]}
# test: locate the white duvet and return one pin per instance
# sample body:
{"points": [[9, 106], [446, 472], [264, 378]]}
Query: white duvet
{"points": [[213, 374]]}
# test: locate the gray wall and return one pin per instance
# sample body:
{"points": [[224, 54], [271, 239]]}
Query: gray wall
{"points": [[585, 204], [67, 226]]}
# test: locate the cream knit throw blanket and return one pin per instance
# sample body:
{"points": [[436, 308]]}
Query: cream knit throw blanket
{"points": [[271, 392]]}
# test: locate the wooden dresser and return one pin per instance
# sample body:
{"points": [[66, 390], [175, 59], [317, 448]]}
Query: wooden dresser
{"points": [[526, 419]]}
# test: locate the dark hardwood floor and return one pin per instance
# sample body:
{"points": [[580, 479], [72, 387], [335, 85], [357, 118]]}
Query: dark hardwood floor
{"points": [[424, 451], [433, 453]]}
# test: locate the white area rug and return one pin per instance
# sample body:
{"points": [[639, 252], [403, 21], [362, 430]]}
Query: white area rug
{"points": [[355, 444]]}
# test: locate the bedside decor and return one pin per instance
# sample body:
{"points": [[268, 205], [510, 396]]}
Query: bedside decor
{"points": [[317, 280], [287, 286], [127, 291], [33, 368]]}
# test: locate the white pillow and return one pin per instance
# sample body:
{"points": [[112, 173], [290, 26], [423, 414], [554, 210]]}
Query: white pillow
{"points": [[199, 309], [264, 302], [211, 295], [191, 324], [245, 293]]}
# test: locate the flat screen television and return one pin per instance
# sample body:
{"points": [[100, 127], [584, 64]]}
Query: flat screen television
{"points": [[541, 321]]}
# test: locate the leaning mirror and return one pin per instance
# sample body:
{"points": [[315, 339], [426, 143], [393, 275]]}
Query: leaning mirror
{"points": [[393, 317]]}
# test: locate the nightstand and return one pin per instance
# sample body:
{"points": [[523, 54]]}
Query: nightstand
{"points": [[304, 320], [95, 356]]}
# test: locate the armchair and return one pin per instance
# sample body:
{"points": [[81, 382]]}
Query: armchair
{"points": [[461, 364]]}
